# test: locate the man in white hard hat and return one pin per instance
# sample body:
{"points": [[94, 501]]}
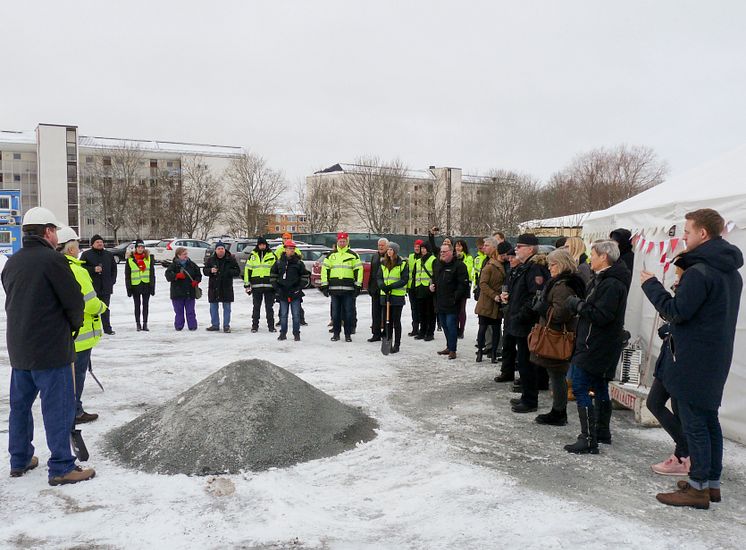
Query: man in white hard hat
{"points": [[92, 329], [44, 307]]}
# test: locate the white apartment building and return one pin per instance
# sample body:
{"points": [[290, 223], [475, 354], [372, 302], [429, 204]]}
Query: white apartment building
{"points": [[435, 196], [49, 163]]}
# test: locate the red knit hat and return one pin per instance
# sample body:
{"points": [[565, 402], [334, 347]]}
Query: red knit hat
{"points": [[419, 242], [342, 235]]}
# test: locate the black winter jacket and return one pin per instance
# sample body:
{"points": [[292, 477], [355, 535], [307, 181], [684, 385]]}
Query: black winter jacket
{"points": [[220, 285], [703, 316], [289, 277], [182, 288], [103, 283], [451, 285], [599, 338], [623, 237], [524, 282], [375, 268], [43, 306]]}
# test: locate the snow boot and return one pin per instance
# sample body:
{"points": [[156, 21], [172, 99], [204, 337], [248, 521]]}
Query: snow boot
{"points": [[586, 443], [553, 418], [145, 327], [296, 336], [479, 356], [139, 326], [604, 419], [282, 336]]}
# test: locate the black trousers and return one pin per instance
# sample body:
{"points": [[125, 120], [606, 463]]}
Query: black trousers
{"points": [[106, 315], [375, 312], [509, 355], [395, 319], [529, 381], [426, 308], [484, 324], [141, 300], [670, 421], [414, 309], [269, 299]]}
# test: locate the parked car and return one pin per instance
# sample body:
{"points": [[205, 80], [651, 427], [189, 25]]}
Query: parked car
{"points": [[163, 252], [120, 251], [366, 255], [240, 248]]}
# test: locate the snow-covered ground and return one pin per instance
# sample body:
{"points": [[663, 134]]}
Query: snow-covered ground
{"points": [[452, 467]]}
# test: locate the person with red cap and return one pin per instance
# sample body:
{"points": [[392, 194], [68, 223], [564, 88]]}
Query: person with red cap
{"points": [[279, 253], [411, 260], [342, 279], [289, 277]]}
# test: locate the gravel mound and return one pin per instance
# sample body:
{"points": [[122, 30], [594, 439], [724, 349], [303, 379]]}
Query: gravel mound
{"points": [[249, 415]]}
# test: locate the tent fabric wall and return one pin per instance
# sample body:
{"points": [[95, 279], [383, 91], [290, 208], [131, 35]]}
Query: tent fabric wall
{"points": [[657, 215]]}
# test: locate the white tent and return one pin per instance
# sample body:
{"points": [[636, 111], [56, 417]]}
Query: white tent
{"points": [[656, 220]]}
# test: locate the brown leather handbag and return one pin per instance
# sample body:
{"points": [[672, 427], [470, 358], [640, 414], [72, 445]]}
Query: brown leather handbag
{"points": [[550, 343]]}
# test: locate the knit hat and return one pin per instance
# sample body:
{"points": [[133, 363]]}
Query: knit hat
{"points": [[419, 242], [138, 242], [96, 237], [219, 244], [504, 248], [261, 240], [394, 245], [529, 239], [342, 235]]}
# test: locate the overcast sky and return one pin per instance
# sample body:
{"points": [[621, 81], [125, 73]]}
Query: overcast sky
{"points": [[521, 85]]}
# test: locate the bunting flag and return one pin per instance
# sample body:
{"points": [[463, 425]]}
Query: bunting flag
{"points": [[663, 259], [642, 244], [674, 244], [651, 245], [666, 267]]}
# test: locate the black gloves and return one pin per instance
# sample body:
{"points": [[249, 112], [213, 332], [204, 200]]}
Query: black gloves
{"points": [[358, 290], [574, 304], [325, 291]]}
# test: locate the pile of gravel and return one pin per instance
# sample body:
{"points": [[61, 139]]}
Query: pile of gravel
{"points": [[249, 415]]}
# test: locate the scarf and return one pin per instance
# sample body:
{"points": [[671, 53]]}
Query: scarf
{"points": [[139, 260]]}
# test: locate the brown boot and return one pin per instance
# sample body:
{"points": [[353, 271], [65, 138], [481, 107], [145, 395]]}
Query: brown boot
{"points": [[73, 476], [686, 496], [86, 417], [18, 472], [452, 355], [714, 493], [444, 352]]}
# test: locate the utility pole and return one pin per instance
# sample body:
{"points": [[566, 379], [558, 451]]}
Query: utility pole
{"points": [[448, 201]]}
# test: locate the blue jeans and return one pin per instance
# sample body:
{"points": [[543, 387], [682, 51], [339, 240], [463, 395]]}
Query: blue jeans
{"points": [[583, 382], [82, 360], [449, 322], [286, 306], [705, 440], [57, 408], [215, 314], [343, 308]]}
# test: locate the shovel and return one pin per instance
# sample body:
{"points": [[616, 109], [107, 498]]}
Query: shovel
{"points": [[386, 340], [76, 436]]}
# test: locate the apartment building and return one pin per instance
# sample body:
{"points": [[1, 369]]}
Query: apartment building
{"points": [[282, 221], [53, 164]]}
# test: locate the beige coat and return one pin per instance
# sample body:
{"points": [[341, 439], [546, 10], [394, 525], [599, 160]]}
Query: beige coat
{"points": [[491, 281]]}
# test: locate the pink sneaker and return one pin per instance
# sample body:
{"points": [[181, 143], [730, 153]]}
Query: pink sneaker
{"points": [[672, 466]]}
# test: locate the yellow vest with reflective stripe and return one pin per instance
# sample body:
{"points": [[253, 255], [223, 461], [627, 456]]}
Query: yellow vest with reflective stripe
{"points": [[411, 261], [91, 331], [390, 277], [422, 278], [260, 269], [342, 270], [469, 263], [137, 276]]}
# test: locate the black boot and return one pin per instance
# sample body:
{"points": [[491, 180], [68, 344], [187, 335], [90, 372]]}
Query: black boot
{"points": [[493, 357], [139, 326], [145, 327], [586, 443], [604, 418], [479, 356], [553, 418]]}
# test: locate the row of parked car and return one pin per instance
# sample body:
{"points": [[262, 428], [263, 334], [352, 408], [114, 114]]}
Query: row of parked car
{"points": [[162, 252]]}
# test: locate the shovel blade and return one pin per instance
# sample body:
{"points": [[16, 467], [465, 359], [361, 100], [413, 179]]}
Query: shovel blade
{"points": [[385, 345]]}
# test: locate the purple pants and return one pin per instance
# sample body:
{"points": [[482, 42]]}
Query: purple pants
{"points": [[184, 306]]}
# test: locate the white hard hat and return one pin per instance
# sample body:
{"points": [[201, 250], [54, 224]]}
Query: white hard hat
{"points": [[41, 216], [66, 234]]}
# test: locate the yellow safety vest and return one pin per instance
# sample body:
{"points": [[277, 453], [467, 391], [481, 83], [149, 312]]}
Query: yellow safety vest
{"points": [[342, 271], [422, 278], [137, 276], [91, 331], [393, 276], [257, 270]]}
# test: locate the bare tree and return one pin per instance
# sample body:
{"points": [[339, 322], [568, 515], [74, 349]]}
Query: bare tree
{"points": [[112, 179], [198, 203], [601, 178], [321, 203], [375, 192], [253, 189]]}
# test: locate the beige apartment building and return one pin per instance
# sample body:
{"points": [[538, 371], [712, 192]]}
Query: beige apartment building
{"points": [[50, 166], [438, 196]]}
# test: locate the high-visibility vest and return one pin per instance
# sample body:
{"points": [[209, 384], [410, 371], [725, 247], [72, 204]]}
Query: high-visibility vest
{"points": [[90, 333], [469, 263], [479, 262], [137, 276], [258, 269], [393, 276], [342, 271], [280, 250], [411, 261], [424, 275]]}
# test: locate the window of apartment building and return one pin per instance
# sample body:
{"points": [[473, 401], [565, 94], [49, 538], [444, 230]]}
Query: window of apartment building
{"points": [[291, 228], [89, 160], [90, 201], [106, 161], [277, 229], [16, 177], [72, 172], [153, 163], [16, 156], [71, 135], [1, 177], [170, 164], [90, 221]]}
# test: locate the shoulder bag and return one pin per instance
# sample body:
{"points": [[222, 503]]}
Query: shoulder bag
{"points": [[549, 343]]}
